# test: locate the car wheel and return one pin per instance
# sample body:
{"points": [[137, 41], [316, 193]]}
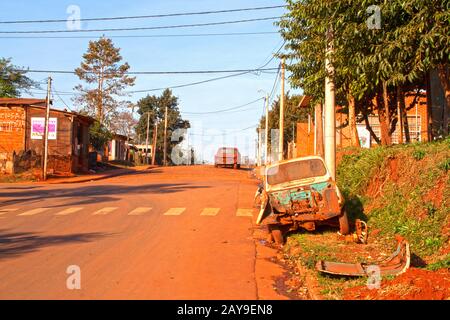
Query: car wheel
{"points": [[344, 227], [277, 235]]}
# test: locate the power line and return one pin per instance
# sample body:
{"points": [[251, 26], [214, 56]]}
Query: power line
{"points": [[142, 28], [146, 36], [156, 72], [224, 133], [224, 110], [145, 16]]}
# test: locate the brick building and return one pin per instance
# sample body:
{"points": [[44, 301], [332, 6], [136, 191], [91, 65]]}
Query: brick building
{"points": [[21, 137], [417, 114]]}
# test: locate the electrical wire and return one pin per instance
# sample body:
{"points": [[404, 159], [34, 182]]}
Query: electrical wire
{"points": [[223, 110], [145, 16], [141, 28], [146, 36], [155, 72]]}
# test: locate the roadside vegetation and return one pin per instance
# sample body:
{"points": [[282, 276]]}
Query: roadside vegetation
{"points": [[398, 190]]}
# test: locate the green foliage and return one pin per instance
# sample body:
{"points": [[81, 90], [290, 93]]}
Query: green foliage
{"points": [[400, 208], [13, 80], [105, 80], [445, 165], [441, 264], [293, 115], [155, 106], [418, 154], [412, 39], [99, 136]]}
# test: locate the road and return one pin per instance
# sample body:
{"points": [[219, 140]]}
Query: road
{"points": [[167, 233]]}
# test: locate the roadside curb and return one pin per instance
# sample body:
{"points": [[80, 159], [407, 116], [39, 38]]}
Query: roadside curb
{"points": [[311, 282], [116, 173]]}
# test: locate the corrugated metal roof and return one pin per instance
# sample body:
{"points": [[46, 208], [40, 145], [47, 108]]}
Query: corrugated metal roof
{"points": [[21, 101]]}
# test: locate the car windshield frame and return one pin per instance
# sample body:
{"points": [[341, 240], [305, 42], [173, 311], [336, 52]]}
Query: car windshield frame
{"points": [[289, 171]]}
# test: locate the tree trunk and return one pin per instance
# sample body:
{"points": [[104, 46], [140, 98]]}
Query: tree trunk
{"points": [[352, 121], [369, 128], [383, 116], [444, 77], [400, 114], [319, 130], [404, 116], [430, 126]]}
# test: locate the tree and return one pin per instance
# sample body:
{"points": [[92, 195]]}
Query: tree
{"points": [[124, 124], [99, 135], [374, 68], [155, 106], [13, 80], [293, 115], [106, 79]]}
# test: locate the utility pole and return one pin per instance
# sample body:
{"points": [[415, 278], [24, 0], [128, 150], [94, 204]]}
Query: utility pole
{"points": [[281, 139], [146, 139], [330, 110], [155, 138], [47, 116], [266, 137], [165, 139], [259, 147]]}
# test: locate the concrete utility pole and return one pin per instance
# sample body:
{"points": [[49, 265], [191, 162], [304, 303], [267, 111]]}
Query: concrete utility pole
{"points": [[281, 139], [146, 139], [259, 147], [165, 139], [330, 110], [266, 137], [155, 139], [318, 126], [47, 117]]}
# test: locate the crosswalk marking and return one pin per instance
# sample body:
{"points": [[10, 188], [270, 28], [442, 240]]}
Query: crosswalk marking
{"points": [[174, 211], [5, 211], [68, 211], [105, 210], [139, 211], [244, 212], [210, 211], [33, 212]]}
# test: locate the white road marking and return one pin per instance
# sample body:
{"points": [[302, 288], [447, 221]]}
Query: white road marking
{"points": [[5, 211], [244, 212], [210, 211], [105, 210], [174, 211], [139, 211], [33, 212], [68, 211]]}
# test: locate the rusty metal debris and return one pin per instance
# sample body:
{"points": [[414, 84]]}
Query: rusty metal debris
{"points": [[396, 264], [359, 236]]}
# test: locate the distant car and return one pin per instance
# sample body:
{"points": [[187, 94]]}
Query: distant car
{"points": [[227, 157]]}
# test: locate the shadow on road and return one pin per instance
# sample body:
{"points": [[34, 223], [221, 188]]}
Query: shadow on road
{"points": [[92, 194], [14, 244]]}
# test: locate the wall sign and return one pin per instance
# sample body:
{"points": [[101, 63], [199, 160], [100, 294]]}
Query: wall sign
{"points": [[364, 136], [38, 125]]}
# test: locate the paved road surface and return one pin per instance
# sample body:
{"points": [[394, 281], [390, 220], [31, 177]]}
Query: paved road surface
{"points": [[172, 233]]}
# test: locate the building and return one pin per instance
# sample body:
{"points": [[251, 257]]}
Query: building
{"points": [[417, 114], [117, 148], [22, 123]]}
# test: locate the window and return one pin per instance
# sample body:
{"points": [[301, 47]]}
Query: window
{"points": [[296, 171]]}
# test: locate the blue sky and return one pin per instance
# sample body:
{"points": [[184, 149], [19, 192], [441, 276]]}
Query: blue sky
{"points": [[163, 54]]}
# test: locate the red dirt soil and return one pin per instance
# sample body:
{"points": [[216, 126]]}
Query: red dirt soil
{"points": [[415, 284]]}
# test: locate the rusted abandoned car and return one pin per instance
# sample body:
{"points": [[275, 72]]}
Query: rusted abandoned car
{"points": [[300, 193]]}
